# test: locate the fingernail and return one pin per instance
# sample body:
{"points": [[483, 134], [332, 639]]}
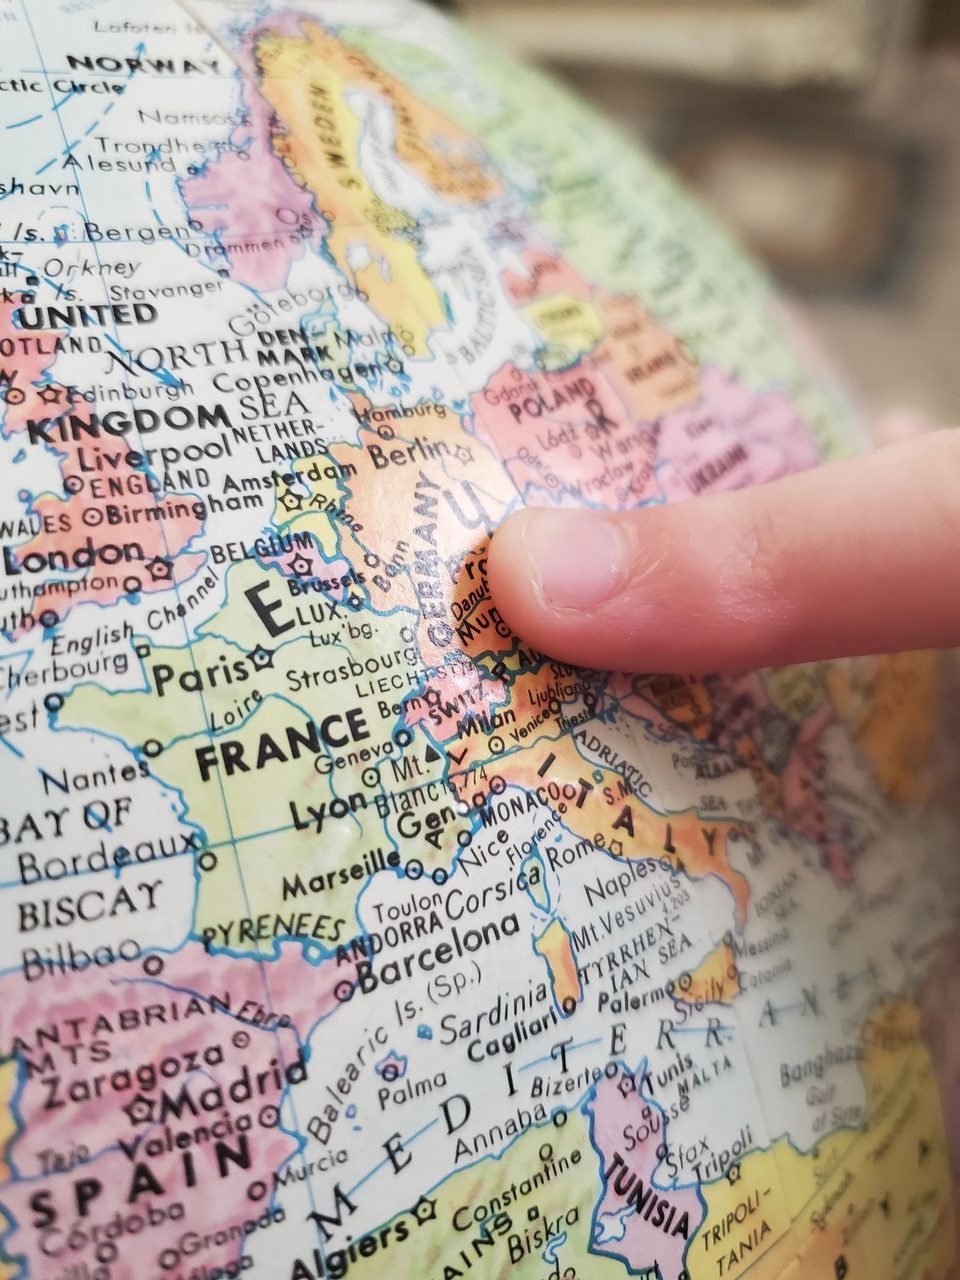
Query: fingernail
{"points": [[577, 558]]}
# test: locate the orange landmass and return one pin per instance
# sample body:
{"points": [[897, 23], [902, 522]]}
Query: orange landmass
{"points": [[418, 502], [889, 706], [306, 76], [672, 704], [597, 805], [446, 157], [650, 370], [714, 980]]}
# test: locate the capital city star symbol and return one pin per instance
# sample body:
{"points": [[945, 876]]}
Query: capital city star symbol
{"points": [[291, 501], [49, 394], [261, 658], [300, 565], [160, 568], [140, 1110], [425, 1210]]}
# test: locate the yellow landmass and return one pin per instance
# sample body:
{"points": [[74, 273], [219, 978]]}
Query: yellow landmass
{"points": [[470, 1227], [285, 785], [306, 79], [890, 706], [448, 158], [8, 1125], [568, 325], [870, 1202], [555, 947], [213, 681]]}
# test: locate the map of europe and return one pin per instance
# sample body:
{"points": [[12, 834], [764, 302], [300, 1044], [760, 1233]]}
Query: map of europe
{"points": [[343, 934]]}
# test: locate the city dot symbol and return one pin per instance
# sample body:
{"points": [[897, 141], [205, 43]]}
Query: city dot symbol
{"points": [[33, 279], [142, 650], [533, 1213], [152, 748], [53, 702], [48, 618]]}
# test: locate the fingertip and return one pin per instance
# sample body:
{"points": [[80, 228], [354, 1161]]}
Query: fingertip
{"points": [[673, 588], [509, 571], [551, 570]]}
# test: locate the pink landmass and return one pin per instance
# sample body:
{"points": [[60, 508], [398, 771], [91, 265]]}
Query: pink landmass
{"points": [[731, 439], [246, 197], [393, 1066], [171, 1098], [452, 694], [546, 274], [107, 533], [25, 396], [565, 437], [114, 544], [306, 566], [647, 1225], [635, 420]]}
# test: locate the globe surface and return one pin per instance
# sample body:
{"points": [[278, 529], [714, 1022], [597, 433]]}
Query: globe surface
{"points": [[344, 934]]}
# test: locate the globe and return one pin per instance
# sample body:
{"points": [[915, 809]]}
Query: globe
{"points": [[344, 934]]}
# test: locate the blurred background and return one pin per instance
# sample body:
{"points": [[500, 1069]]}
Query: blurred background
{"points": [[826, 132]]}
